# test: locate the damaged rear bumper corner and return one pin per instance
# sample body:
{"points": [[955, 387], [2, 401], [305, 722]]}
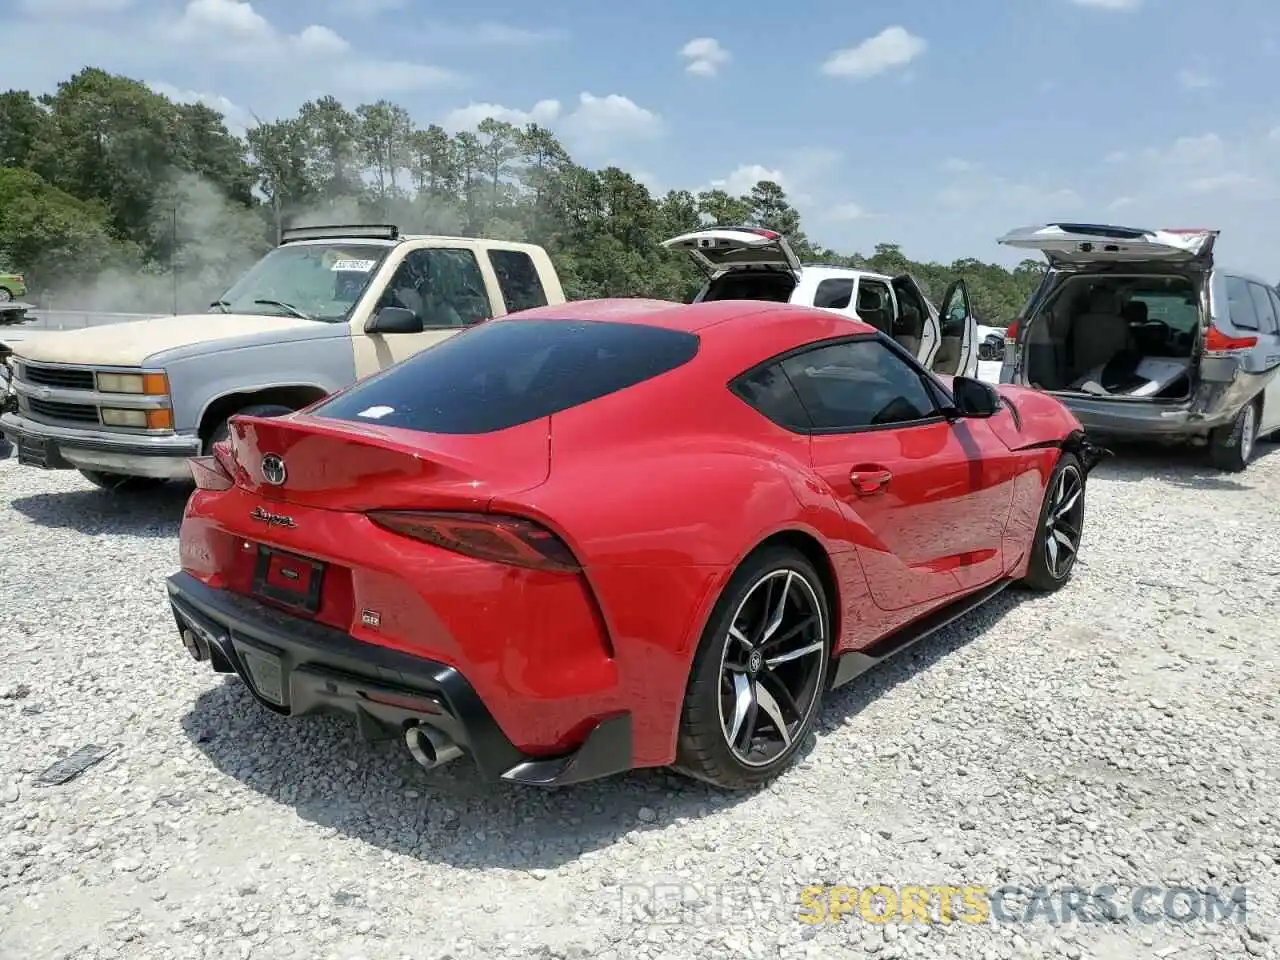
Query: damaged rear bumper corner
{"points": [[295, 667]]}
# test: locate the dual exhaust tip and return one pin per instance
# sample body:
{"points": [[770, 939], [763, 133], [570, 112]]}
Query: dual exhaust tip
{"points": [[430, 748]]}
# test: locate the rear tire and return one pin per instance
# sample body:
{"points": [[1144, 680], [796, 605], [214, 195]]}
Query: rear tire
{"points": [[122, 483], [762, 659], [1231, 447], [1061, 524], [223, 430]]}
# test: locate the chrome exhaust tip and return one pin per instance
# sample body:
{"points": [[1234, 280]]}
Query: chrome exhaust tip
{"points": [[195, 646], [430, 748]]}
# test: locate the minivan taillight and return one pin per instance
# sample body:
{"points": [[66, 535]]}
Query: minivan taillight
{"points": [[1215, 341], [1011, 331], [502, 539]]}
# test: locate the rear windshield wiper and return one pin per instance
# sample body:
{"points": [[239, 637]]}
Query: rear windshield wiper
{"points": [[286, 306]]}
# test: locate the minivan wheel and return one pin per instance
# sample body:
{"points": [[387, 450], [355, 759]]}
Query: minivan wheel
{"points": [[1231, 446]]}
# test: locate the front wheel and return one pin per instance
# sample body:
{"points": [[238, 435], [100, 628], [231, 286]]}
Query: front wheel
{"points": [[121, 483], [5, 295], [223, 429], [758, 675], [1057, 539], [1231, 447]]}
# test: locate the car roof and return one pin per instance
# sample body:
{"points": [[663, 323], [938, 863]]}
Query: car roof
{"points": [[728, 317], [833, 270]]}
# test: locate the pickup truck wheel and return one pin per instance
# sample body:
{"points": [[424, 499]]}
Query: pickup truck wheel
{"points": [[223, 430], [121, 483]]}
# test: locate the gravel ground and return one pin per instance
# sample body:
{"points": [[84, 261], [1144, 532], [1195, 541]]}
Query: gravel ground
{"points": [[1121, 732]]}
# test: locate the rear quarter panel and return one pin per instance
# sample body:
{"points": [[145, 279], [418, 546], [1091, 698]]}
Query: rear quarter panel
{"points": [[661, 518]]}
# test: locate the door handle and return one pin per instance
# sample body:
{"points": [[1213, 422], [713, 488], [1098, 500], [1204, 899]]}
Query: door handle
{"points": [[868, 481]]}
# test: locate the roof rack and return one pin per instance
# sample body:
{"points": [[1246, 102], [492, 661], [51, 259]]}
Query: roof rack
{"points": [[363, 231]]}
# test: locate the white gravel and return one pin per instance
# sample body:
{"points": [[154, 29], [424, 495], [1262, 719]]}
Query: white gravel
{"points": [[1121, 732]]}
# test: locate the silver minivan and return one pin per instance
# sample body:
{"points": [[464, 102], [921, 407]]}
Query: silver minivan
{"points": [[1144, 337]]}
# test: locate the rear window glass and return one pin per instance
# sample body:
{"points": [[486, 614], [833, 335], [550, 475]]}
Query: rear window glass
{"points": [[508, 372]]}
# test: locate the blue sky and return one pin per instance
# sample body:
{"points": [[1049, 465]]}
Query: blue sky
{"points": [[935, 126]]}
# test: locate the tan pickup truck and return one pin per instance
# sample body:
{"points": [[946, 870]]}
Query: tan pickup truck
{"points": [[127, 404]]}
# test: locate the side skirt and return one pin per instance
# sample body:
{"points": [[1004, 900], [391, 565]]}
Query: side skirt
{"points": [[857, 662]]}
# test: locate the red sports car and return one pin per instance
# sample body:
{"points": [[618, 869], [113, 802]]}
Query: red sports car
{"points": [[620, 533]]}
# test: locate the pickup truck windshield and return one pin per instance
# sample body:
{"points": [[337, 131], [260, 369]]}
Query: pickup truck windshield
{"points": [[318, 281]]}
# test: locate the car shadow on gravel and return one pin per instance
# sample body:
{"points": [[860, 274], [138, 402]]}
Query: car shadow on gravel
{"points": [[1186, 467], [156, 513], [374, 792], [850, 700]]}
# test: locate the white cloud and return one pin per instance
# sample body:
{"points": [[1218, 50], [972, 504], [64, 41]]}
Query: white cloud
{"points": [[1109, 4], [51, 9], [847, 213], [487, 34], [1196, 79], [890, 49], [544, 113], [958, 165], [745, 176], [705, 56], [594, 126], [598, 122], [315, 59], [238, 119]]}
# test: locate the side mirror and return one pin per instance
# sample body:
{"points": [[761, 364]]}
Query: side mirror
{"points": [[394, 320], [974, 398]]}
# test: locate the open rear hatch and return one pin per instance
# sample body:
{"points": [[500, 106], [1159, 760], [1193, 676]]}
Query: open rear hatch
{"points": [[724, 248], [1075, 244], [341, 465]]}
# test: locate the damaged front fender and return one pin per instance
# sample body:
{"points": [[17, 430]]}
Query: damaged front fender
{"points": [[1085, 450]]}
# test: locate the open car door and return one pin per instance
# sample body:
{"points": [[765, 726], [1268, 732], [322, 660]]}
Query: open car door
{"points": [[1076, 244], [958, 354], [718, 249]]}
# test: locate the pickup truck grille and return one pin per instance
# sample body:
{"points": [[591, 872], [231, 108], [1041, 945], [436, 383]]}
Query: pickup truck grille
{"points": [[60, 377], [79, 412]]}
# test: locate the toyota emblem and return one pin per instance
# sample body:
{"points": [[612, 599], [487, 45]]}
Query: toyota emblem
{"points": [[273, 470]]}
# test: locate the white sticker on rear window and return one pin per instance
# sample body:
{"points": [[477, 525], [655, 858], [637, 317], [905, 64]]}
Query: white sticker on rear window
{"points": [[353, 266], [375, 413]]}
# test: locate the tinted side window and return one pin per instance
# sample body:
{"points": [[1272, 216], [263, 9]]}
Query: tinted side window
{"points": [[771, 393], [1262, 306], [443, 286], [834, 294], [858, 383], [503, 374], [518, 280], [1240, 304]]}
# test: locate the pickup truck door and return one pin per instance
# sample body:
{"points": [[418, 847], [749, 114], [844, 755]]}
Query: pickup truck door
{"points": [[448, 289]]}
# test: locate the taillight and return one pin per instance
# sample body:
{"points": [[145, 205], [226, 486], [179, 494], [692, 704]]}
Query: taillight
{"points": [[210, 474], [1215, 341], [1011, 331], [503, 539]]}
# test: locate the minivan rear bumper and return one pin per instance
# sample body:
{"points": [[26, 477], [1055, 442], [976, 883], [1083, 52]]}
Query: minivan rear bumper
{"points": [[1220, 392]]}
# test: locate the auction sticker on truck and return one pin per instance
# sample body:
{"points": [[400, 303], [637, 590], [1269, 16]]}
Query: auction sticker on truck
{"points": [[353, 266]]}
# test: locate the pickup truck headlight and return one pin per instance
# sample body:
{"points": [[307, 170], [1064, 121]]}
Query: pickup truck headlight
{"points": [[143, 419], [149, 384]]}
